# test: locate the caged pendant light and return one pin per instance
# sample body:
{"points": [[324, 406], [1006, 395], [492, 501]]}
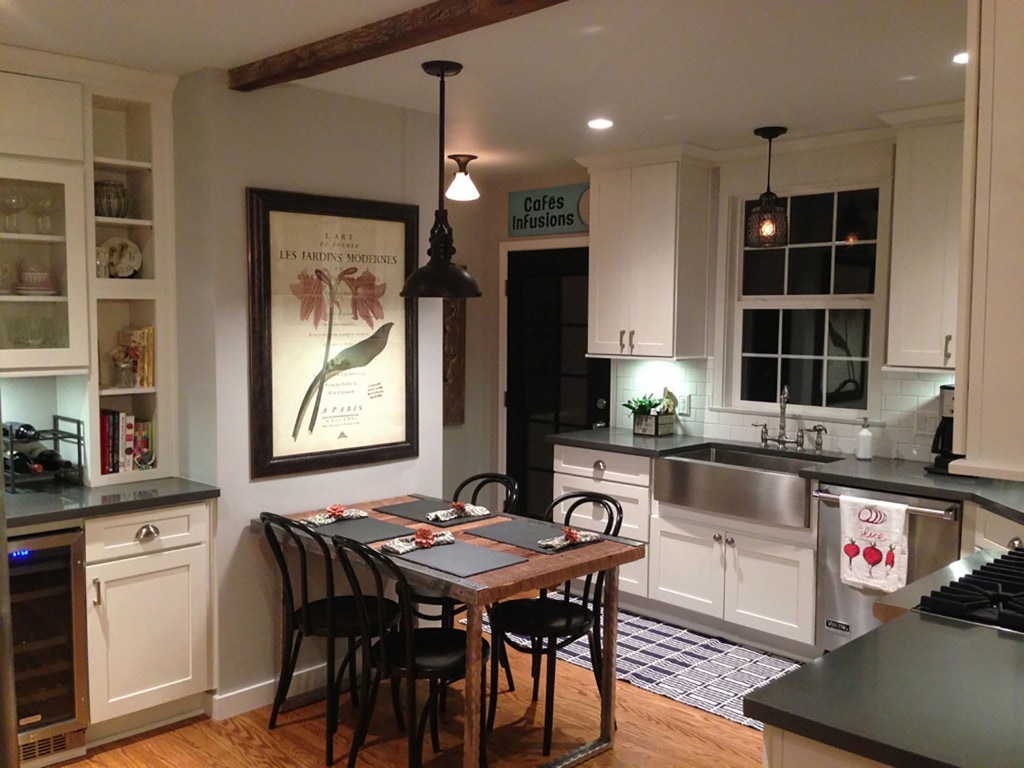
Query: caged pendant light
{"points": [[440, 277], [767, 226]]}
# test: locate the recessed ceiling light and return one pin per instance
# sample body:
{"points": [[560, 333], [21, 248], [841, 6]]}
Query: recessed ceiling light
{"points": [[961, 58], [600, 123]]}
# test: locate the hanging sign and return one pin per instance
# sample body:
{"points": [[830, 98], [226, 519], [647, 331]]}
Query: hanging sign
{"points": [[551, 211]]}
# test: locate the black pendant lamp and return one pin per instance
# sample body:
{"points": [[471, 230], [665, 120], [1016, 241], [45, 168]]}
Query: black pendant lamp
{"points": [[440, 277], [767, 226]]}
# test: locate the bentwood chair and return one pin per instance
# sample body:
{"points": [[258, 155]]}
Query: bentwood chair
{"points": [[551, 622], [330, 616], [471, 489], [408, 653]]}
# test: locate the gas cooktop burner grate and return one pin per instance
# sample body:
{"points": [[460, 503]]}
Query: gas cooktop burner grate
{"points": [[992, 594]]}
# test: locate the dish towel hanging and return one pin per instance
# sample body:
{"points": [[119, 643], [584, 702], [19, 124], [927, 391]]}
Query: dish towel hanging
{"points": [[874, 546]]}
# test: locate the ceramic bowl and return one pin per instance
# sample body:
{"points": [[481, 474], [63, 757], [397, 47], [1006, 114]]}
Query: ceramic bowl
{"points": [[32, 279]]}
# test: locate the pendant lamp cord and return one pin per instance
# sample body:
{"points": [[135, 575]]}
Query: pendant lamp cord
{"points": [[769, 189], [440, 152]]}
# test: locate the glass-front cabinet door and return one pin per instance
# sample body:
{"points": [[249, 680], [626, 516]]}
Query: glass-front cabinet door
{"points": [[43, 320]]}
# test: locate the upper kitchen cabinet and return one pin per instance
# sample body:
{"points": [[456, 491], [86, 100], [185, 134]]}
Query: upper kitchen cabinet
{"points": [[649, 259], [927, 205], [40, 117], [42, 271], [989, 420]]}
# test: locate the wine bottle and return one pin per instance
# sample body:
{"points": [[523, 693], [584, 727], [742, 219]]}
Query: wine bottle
{"points": [[19, 430], [21, 464], [48, 458]]}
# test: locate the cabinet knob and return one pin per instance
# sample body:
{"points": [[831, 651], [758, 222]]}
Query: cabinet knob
{"points": [[600, 466], [717, 538], [148, 532], [730, 541]]}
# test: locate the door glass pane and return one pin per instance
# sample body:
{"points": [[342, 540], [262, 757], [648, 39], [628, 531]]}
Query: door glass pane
{"points": [[810, 218], [573, 405], [540, 452], [804, 380], [847, 384], [849, 332], [759, 379], [574, 349], [763, 272], [810, 270], [574, 300], [761, 331], [542, 396], [33, 265], [541, 351], [855, 268], [542, 301], [803, 332]]}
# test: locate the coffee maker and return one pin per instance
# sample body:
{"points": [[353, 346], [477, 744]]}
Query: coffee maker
{"points": [[942, 443]]}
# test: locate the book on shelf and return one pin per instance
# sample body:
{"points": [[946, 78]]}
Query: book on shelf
{"points": [[122, 438], [139, 346]]}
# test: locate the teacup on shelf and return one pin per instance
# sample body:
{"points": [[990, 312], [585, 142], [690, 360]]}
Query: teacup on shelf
{"points": [[35, 279]]}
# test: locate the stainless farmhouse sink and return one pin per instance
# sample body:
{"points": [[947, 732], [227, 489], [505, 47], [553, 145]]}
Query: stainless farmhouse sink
{"points": [[757, 484]]}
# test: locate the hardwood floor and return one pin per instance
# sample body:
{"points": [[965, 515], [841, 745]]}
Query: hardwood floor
{"points": [[652, 731]]}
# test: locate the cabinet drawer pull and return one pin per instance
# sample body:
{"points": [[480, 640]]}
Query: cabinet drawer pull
{"points": [[148, 532], [622, 340], [717, 538], [96, 585], [946, 354], [631, 345], [600, 466]]}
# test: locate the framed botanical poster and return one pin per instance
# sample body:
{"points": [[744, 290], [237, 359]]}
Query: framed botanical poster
{"points": [[332, 345]]}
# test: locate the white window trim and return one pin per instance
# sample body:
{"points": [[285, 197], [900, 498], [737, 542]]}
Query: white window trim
{"points": [[727, 380]]}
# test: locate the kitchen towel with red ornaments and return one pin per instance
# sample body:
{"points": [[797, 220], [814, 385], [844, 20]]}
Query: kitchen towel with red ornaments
{"points": [[874, 545]]}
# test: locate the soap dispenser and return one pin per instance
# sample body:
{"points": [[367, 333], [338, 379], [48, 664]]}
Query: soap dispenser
{"points": [[864, 442]]}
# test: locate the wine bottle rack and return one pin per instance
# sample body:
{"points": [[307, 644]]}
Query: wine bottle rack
{"points": [[67, 438]]}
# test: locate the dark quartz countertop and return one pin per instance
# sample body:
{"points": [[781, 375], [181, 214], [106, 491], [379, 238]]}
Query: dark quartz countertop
{"points": [[1004, 497], [919, 692], [72, 503]]}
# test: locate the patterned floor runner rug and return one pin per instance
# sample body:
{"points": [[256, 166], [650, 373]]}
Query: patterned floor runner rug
{"points": [[694, 669]]}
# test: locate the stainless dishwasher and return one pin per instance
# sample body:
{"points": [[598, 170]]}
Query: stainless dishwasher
{"points": [[933, 542]]}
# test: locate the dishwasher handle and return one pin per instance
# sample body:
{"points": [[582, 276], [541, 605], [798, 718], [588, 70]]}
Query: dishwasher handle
{"points": [[949, 513]]}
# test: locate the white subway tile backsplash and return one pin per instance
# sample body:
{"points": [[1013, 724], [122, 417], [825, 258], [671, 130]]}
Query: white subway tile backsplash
{"points": [[717, 431], [899, 403], [919, 388]]}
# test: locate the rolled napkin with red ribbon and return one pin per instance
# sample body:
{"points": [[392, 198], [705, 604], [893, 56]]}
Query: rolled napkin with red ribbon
{"points": [[457, 509], [424, 538], [569, 537], [333, 514]]}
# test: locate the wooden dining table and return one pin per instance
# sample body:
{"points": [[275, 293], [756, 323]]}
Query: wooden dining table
{"points": [[535, 571]]}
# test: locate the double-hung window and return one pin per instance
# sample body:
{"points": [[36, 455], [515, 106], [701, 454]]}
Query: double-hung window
{"points": [[806, 312]]}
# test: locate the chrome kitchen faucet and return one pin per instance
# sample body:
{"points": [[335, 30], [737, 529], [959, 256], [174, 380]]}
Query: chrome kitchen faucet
{"points": [[781, 440]]}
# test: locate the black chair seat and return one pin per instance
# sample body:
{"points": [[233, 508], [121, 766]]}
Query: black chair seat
{"points": [[542, 617], [437, 651], [346, 620]]}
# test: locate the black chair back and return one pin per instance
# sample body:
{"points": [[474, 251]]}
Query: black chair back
{"points": [[508, 490], [296, 586], [575, 505]]}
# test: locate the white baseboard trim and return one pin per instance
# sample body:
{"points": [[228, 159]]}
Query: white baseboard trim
{"points": [[231, 704]]}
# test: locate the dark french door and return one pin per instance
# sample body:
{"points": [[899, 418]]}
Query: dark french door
{"points": [[551, 385]]}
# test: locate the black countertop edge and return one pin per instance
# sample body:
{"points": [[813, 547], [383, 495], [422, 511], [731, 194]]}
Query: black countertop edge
{"points": [[1003, 497], [66, 503]]}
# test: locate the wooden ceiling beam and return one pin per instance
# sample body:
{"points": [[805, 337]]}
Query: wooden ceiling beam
{"points": [[426, 24]]}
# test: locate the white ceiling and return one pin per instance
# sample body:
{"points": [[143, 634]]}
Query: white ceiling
{"points": [[697, 72]]}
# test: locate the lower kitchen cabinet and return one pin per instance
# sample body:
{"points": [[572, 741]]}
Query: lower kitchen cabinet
{"points": [[987, 530], [636, 513], [148, 610], [741, 578]]}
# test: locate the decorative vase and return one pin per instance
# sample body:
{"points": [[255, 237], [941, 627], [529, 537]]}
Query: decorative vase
{"points": [[111, 199], [652, 425]]}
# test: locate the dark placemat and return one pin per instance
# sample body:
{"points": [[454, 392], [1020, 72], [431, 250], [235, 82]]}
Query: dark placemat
{"points": [[524, 533], [462, 559], [364, 529], [418, 510]]}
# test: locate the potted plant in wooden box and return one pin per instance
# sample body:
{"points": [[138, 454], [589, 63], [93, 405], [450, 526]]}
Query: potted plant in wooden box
{"points": [[648, 416]]}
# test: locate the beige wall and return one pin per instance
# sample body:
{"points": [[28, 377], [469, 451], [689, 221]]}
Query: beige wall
{"points": [[287, 138]]}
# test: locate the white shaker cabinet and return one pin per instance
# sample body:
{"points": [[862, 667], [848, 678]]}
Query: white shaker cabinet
{"points": [[148, 611], [40, 117], [624, 477], [927, 202], [728, 573], [990, 367], [648, 278]]}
